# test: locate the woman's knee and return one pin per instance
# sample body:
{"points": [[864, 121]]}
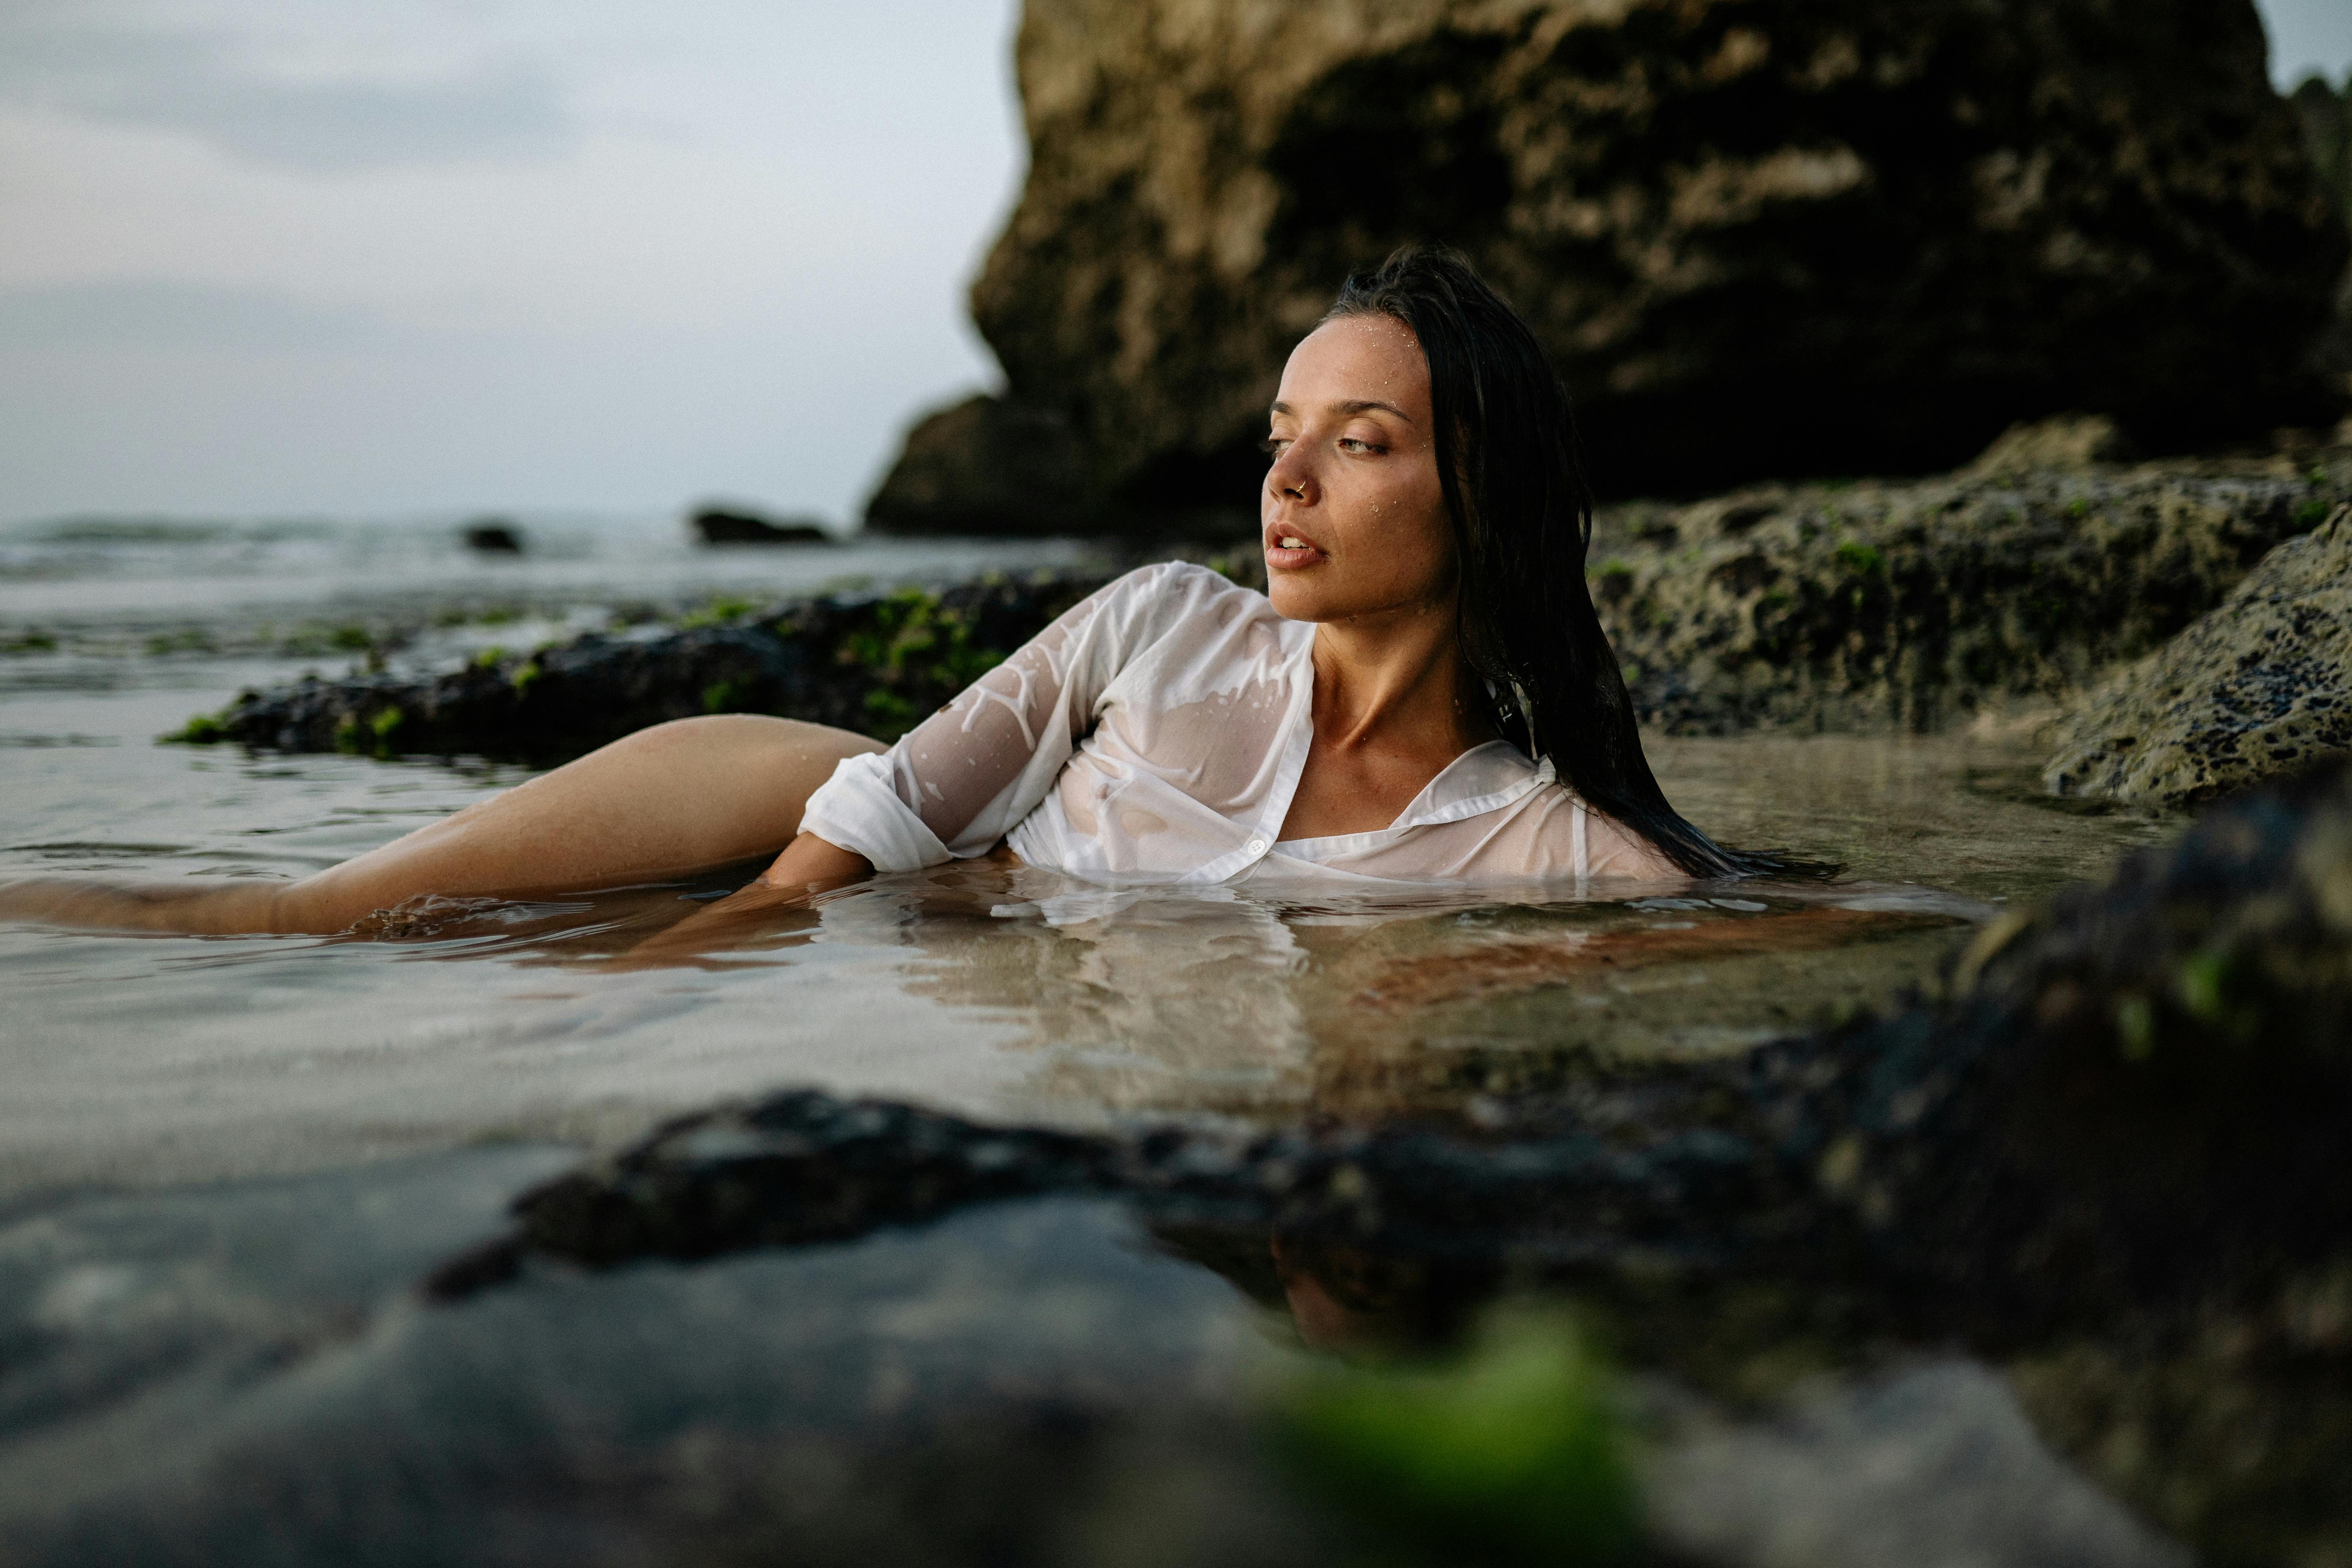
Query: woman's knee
{"points": [[752, 732]]}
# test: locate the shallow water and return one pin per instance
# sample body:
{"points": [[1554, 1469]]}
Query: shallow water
{"points": [[1001, 993], [224, 1162]]}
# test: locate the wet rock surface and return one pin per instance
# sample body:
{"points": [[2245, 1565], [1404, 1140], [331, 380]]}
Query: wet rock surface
{"points": [[872, 662], [2048, 1265], [1870, 607], [2110, 1153], [2260, 686], [1833, 237], [1916, 607]]}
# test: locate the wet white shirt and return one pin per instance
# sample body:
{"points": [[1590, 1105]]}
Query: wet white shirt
{"points": [[1156, 733]]}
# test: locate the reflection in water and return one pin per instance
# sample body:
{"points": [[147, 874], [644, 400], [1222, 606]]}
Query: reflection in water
{"points": [[994, 991], [1224, 1001]]}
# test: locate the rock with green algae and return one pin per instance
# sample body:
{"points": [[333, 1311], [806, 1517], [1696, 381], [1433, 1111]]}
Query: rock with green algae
{"points": [[2109, 1156], [2260, 686], [876, 663], [1512, 1449], [1917, 606]]}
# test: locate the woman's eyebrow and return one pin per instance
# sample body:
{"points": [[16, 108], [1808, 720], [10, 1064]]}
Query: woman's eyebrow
{"points": [[1353, 405]]}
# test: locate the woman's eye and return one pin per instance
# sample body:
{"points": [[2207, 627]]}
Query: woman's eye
{"points": [[1358, 444], [1273, 445]]}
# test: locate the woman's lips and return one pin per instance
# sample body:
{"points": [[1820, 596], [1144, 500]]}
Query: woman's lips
{"points": [[1287, 552]]}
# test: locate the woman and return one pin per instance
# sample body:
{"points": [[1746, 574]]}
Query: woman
{"points": [[1424, 694]]}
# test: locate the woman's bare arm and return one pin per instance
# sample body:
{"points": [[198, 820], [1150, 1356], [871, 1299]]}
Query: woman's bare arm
{"points": [[808, 865]]}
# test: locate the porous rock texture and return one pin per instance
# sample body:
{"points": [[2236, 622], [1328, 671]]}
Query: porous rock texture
{"points": [[1917, 606], [2263, 684], [1760, 238]]}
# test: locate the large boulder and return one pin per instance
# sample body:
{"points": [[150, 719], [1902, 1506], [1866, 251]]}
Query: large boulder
{"points": [[2261, 685], [1761, 237]]}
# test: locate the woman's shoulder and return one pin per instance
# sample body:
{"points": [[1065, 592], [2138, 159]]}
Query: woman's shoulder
{"points": [[1184, 578], [1612, 849], [1170, 593]]}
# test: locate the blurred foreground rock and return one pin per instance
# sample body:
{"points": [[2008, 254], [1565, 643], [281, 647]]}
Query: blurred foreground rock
{"points": [[2263, 684], [2110, 1156], [1771, 240]]}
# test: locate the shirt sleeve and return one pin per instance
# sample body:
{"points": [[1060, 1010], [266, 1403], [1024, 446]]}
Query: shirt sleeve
{"points": [[963, 778]]}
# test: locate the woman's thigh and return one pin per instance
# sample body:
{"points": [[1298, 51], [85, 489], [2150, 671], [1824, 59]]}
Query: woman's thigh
{"points": [[675, 798]]}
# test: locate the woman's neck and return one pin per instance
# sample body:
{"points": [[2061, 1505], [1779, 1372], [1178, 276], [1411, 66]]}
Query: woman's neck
{"points": [[1397, 682]]}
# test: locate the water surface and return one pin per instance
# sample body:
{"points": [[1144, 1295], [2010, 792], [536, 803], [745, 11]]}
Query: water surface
{"points": [[999, 992]]}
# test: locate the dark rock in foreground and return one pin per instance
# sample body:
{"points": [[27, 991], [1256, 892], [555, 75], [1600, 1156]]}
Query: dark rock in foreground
{"points": [[2113, 1157], [2135, 1095], [2261, 685], [1780, 238]]}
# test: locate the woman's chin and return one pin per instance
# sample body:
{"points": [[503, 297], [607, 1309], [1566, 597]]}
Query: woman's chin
{"points": [[1295, 599]]}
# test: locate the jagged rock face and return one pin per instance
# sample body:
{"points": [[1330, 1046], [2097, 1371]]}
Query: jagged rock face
{"points": [[2261, 685], [1761, 237], [2327, 116]]}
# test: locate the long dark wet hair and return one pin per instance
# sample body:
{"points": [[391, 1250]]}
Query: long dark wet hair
{"points": [[1522, 516]]}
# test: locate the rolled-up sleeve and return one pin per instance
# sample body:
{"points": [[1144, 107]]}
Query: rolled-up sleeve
{"points": [[959, 782], [857, 810]]}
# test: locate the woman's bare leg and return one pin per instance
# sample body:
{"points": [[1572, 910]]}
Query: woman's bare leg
{"points": [[666, 801]]}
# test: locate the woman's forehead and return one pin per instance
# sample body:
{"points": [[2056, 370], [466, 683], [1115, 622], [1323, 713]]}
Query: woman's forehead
{"points": [[1357, 359]]}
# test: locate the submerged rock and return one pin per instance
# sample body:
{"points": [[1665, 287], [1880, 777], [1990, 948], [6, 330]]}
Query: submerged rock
{"points": [[718, 525], [1800, 236], [2110, 1156], [2135, 1095], [2263, 684], [493, 536], [1916, 607]]}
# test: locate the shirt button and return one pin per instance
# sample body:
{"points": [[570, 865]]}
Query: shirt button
{"points": [[1255, 845]]}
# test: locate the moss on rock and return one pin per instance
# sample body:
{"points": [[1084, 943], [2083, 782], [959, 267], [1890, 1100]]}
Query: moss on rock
{"points": [[2260, 686], [1915, 606]]}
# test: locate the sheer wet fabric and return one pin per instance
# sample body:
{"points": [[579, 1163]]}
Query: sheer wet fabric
{"points": [[1156, 733]]}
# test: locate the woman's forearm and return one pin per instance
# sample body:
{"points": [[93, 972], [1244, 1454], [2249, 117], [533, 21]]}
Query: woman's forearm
{"points": [[811, 865], [808, 865]]}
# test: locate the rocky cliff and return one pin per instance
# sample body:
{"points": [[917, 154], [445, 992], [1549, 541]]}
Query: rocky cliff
{"points": [[2327, 116], [1762, 238]]}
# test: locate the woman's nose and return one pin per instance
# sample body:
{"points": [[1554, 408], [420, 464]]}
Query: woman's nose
{"points": [[1290, 478]]}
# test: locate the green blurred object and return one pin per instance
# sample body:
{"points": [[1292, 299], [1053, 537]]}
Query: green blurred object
{"points": [[1513, 1450]]}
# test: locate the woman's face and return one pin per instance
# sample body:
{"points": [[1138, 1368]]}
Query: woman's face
{"points": [[1354, 518]]}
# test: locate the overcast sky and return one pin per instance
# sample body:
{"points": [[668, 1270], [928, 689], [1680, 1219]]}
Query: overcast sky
{"points": [[389, 257]]}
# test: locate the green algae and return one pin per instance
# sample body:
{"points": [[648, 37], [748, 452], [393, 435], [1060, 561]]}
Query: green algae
{"points": [[1513, 1449]]}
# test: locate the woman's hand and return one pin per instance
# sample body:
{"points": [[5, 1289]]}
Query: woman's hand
{"points": [[808, 866]]}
